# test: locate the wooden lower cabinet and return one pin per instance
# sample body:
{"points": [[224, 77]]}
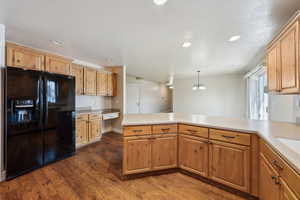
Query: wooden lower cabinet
{"points": [[268, 189], [149, 153], [87, 129], [286, 193], [94, 129], [230, 165], [164, 152], [277, 181], [137, 154], [82, 129], [193, 154]]}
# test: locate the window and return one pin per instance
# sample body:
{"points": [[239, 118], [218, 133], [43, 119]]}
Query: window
{"points": [[257, 97], [51, 91]]}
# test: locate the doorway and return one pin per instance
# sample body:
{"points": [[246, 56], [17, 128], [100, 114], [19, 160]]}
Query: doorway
{"points": [[133, 101]]}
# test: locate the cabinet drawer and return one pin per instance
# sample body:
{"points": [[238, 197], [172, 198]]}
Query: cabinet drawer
{"points": [[271, 156], [161, 129], [137, 130], [94, 116], [230, 136], [193, 130], [82, 117], [291, 177]]}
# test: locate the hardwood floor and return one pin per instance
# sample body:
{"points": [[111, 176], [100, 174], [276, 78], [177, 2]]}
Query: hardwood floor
{"points": [[94, 173]]}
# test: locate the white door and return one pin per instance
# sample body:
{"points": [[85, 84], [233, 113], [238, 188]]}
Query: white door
{"points": [[133, 99]]}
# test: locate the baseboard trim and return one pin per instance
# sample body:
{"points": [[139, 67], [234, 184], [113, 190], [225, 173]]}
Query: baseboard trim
{"points": [[116, 130], [3, 176]]}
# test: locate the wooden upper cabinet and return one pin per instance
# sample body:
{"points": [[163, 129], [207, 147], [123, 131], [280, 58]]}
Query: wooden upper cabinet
{"points": [[111, 84], [193, 154], [77, 71], [289, 52], [101, 83], [283, 60], [23, 57], [90, 81], [58, 65], [137, 156], [164, 152], [273, 67], [230, 165], [269, 188]]}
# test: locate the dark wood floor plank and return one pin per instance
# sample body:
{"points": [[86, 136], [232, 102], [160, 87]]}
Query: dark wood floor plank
{"points": [[94, 173]]}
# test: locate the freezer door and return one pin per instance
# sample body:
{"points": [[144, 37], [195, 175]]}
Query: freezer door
{"points": [[59, 119], [23, 129]]}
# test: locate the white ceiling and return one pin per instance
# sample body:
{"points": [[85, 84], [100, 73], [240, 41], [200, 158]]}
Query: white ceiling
{"points": [[147, 38]]}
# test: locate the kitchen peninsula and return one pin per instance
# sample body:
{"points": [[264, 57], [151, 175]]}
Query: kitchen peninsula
{"points": [[260, 158]]}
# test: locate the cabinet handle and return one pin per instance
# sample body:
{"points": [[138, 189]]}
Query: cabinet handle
{"points": [[228, 137], [18, 60], [165, 129], [137, 131], [276, 180], [192, 131], [276, 164]]}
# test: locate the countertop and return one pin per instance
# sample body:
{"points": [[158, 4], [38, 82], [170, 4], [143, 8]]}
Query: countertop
{"points": [[283, 137], [97, 111]]}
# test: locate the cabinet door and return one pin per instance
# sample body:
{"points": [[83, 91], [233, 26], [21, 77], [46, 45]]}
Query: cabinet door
{"points": [[230, 165], [90, 81], [94, 129], [164, 152], [81, 131], [102, 83], [193, 154], [268, 189], [24, 58], [286, 193], [77, 71], [289, 51], [273, 67], [111, 84], [58, 65], [136, 155]]}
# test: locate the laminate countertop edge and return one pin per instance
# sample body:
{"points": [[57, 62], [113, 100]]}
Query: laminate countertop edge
{"points": [[284, 138]]}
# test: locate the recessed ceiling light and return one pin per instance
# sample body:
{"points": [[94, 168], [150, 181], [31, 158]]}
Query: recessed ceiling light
{"points": [[234, 38], [57, 43], [160, 2], [186, 44]]}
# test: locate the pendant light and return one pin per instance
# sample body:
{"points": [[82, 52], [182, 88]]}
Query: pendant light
{"points": [[198, 86]]}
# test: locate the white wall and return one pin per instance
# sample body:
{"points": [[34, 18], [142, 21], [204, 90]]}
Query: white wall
{"points": [[154, 97], [284, 108], [224, 96], [2, 63], [95, 102]]}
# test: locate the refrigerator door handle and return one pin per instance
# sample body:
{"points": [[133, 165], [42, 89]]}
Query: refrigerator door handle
{"points": [[45, 81]]}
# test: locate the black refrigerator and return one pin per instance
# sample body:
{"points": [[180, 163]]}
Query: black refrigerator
{"points": [[40, 119]]}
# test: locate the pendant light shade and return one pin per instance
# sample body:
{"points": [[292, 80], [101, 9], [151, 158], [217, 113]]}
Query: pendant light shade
{"points": [[198, 86]]}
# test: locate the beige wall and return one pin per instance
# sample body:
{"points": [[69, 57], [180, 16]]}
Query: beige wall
{"points": [[225, 96], [155, 97]]}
